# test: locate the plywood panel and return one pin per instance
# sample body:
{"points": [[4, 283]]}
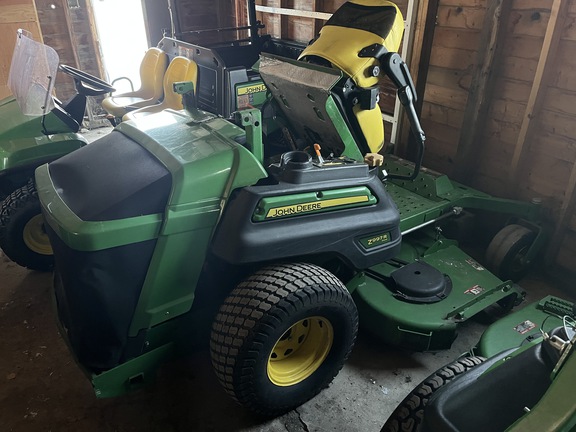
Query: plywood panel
{"points": [[561, 101], [449, 78], [518, 68], [452, 58], [461, 38], [447, 97], [529, 22], [460, 17], [506, 110], [564, 75], [570, 28], [14, 14], [442, 114], [532, 4], [11, 13]]}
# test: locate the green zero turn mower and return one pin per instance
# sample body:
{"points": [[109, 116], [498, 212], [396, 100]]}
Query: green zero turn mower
{"points": [[519, 378], [35, 128], [268, 226]]}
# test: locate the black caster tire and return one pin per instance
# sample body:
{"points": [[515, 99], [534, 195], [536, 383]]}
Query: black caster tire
{"points": [[407, 417], [22, 235], [282, 335], [505, 253]]}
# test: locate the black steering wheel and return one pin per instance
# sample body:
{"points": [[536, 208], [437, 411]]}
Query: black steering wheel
{"points": [[86, 84]]}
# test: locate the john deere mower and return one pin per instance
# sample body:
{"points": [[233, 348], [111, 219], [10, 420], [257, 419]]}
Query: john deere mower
{"points": [[35, 128], [278, 229], [520, 377]]}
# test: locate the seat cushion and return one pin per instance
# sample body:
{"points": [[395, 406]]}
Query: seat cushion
{"points": [[119, 105]]}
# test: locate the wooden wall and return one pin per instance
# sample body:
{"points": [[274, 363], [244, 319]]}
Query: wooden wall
{"points": [[525, 147], [14, 14], [70, 31]]}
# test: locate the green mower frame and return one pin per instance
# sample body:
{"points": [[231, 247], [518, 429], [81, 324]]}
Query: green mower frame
{"points": [[197, 221], [35, 128], [519, 377]]}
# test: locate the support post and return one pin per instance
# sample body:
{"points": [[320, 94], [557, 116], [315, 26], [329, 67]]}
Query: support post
{"points": [[481, 90]]}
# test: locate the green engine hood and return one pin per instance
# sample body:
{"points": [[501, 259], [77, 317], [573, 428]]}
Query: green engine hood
{"points": [[206, 165]]}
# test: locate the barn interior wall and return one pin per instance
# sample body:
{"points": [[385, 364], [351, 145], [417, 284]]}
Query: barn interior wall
{"points": [[14, 15], [70, 31], [547, 167]]}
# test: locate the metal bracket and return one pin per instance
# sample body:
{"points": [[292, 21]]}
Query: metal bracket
{"points": [[186, 89], [251, 121]]}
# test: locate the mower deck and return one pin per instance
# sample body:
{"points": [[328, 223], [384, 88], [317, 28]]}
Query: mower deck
{"points": [[388, 314], [433, 195]]}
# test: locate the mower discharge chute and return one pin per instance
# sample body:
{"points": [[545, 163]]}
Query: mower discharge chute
{"points": [[35, 128], [280, 240]]}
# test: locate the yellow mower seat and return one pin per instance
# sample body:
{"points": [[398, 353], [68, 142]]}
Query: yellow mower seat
{"points": [[180, 69], [150, 92], [349, 31]]}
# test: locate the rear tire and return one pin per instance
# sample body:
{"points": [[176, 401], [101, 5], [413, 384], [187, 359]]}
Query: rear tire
{"points": [[407, 417], [282, 335], [22, 235]]}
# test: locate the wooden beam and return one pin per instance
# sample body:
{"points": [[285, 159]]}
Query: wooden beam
{"points": [[294, 12], [546, 62], [24, 12], [481, 90], [71, 33], [283, 20], [317, 5]]}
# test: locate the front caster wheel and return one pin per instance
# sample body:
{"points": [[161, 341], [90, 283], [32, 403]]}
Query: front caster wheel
{"points": [[22, 235], [506, 252], [282, 335]]}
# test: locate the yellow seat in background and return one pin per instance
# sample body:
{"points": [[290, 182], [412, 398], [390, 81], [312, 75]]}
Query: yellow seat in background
{"points": [[151, 91], [180, 69]]}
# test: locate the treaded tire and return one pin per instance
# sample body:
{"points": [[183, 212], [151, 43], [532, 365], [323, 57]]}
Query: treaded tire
{"points": [[19, 208], [256, 317], [407, 416], [505, 251]]}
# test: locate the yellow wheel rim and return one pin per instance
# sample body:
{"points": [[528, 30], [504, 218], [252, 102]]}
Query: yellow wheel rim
{"points": [[300, 351], [35, 236]]}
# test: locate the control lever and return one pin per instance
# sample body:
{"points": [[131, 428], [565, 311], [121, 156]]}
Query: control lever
{"points": [[392, 65]]}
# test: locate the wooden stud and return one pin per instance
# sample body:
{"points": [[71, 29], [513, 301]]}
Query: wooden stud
{"points": [[539, 86], [530, 122], [317, 6], [71, 34], [481, 90]]}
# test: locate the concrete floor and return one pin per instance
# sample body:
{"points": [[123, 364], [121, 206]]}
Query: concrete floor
{"points": [[42, 389]]}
